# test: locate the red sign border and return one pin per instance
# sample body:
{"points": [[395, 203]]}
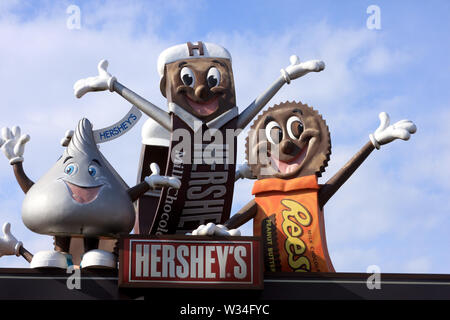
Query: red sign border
{"points": [[258, 283]]}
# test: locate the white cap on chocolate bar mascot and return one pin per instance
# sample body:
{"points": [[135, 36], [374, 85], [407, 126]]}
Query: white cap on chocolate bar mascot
{"points": [[153, 134], [191, 50]]}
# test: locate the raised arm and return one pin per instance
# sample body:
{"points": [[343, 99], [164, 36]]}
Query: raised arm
{"points": [[244, 215], [295, 70], [9, 245], [383, 135], [22, 179], [12, 143], [105, 81], [153, 181], [333, 185]]}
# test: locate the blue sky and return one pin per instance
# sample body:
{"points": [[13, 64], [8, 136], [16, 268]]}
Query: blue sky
{"points": [[394, 212]]}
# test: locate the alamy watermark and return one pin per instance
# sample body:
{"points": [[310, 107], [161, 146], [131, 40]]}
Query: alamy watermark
{"points": [[374, 280], [214, 146], [73, 21], [74, 280], [373, 22]]}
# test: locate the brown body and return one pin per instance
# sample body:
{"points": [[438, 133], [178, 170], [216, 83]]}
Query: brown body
{"points": [[203, 87], [147, 204], [290, 141]]}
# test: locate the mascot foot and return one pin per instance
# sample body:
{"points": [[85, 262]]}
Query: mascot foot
{"points": [[98, 259], [51, 259]]}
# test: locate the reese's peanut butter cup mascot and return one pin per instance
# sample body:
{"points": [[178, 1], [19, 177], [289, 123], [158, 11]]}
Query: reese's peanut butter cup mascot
{"points": [[287, 149], [197, 80], [80, 196]]}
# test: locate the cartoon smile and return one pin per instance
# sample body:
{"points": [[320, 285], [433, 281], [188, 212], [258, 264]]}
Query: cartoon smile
{"points": [[289, 140], [290, 166], [204, 108], [83, 195], [202, 87]]}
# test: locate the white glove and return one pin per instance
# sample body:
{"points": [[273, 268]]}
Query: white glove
{"points": [[12, 144], [157, 181], [8, 243], [244, 172], [101, 82], [66, 140], [213, 229], [298, 69], [387, 133]]}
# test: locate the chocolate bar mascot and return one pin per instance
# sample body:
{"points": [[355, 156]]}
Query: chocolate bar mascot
{"points": [[197, 80], [288, 148], [80, 196], [155, 149]]}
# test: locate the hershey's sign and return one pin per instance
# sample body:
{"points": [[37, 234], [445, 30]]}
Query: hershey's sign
{"points": [[190, 261]]}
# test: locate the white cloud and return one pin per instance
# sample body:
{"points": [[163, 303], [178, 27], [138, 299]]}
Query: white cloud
{"points": [[418, 265], [352, 259], [381, 60]]}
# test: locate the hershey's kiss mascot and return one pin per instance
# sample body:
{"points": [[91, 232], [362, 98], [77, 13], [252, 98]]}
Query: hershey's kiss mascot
{"points": [[80, 196]]}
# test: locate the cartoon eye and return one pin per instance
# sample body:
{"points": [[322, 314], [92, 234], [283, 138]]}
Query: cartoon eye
{"points": [[294, 127], [92, 170], [71, 169], [213, 77], [187, 76], [274, 133]]}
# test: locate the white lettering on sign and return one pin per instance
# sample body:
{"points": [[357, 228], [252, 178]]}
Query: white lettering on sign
{"points": [[241, 271], [183, 268], [155, 259], [209, 261], [141, 260], [196, 262], [222, 255], [190, 261]]}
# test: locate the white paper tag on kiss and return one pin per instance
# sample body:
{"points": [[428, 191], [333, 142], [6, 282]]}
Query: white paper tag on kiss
{"points": [[119, 128]]}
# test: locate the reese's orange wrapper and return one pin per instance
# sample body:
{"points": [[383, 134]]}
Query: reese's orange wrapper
{"points": [[291, 225]]}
